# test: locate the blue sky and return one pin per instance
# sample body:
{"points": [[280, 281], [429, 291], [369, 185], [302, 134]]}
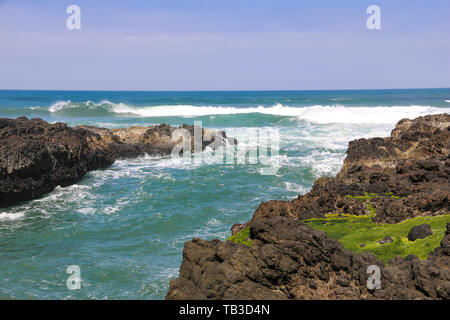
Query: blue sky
{"points": [[224, 45]]}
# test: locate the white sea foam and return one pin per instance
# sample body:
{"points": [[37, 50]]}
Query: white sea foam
{"points": [[324, 148], [340, 99], [105, 102], [86, 210], [59, 200], [59, 105], [323, 163], [316, 113], [295, 187], [74, 194], [369, 115], [120, 204], [214, 222], [447, 101], [11, 215]]}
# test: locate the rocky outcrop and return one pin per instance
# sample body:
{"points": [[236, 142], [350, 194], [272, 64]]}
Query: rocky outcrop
{"points": [[156, 140], [36, 156], [290, 260], [407, 174], [395, 178]]}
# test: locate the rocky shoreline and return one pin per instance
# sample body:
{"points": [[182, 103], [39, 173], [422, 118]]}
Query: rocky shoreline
{"points": [[413, 165], [400, 177], [36, 156]]}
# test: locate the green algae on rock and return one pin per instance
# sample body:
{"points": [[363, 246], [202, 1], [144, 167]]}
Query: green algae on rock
{"points": [[352, 231], [242, 237]]}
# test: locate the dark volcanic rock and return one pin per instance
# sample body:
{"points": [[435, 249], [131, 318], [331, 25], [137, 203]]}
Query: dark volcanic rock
{"points": [[157, 140], [408, 172], [290, 260], [235, 228], [400, 177], [36, 156], [420, 232]]}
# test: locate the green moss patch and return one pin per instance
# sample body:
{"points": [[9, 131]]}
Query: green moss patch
{"points": [[354, 231], [364, 198], [242, 237], [368, 196]]}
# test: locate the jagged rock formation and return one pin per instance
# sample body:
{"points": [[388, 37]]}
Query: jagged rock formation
{"points": [[403, 176], [154, 140], [36, 156], [409, 172], [290, 260]]}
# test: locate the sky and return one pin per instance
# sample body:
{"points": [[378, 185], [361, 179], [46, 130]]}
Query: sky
{"points": [[224, 45]]}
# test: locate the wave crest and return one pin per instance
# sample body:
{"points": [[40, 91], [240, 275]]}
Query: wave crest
{"points": [[316, 113], [64, 105]]}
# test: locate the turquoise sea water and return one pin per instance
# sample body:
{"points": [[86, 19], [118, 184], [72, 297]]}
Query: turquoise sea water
{"points": [[125, 226]]}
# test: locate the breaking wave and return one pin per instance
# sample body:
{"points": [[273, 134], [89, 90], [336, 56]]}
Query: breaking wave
{"points": [[316, 114]]}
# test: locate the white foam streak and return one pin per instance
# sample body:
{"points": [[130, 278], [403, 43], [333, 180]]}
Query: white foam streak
{"points": [[317, 114], [11, 216], [366, 115], [295, 187], [59, 200], [59, 105]]}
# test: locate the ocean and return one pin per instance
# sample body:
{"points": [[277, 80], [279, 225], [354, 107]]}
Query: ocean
{"points": [[125, 226]]}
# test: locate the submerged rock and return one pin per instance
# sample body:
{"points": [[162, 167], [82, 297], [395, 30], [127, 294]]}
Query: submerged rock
{"points": [[36, 156]]}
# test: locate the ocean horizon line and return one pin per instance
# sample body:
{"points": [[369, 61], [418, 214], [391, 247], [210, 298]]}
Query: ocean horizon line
{"points": [[226, 90]]}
